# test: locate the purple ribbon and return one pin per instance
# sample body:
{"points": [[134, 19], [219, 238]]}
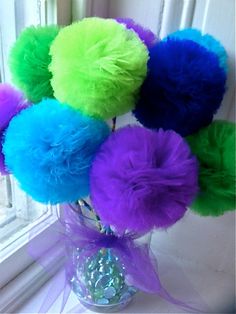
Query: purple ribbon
{"points": [[137, 258]]}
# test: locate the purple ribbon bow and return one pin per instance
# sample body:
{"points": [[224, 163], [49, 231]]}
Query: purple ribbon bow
{"points": [[139, 262]]}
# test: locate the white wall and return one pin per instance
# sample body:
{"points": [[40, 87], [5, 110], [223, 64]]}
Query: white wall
{"points": [[147, 13], [217, 18]]}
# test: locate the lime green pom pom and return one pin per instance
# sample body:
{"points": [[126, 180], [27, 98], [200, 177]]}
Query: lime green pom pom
{"points": [[98, 66], [214, 147], [29, 59]]}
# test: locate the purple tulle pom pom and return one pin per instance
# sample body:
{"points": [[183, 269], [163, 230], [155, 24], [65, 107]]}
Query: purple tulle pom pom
{"points": [[11, 103], [147, 36], [142, 179]]}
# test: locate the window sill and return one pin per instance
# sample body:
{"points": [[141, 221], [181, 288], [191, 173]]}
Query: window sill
{"points": [[193, 266], [27, 283], [15, 247], [198, 283]]}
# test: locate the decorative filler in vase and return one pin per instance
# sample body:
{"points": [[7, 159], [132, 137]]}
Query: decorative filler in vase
{"points": [[99, 279], [61, 150]]}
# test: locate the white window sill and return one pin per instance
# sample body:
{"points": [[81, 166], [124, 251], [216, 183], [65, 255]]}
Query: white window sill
{"points": [[207, 286], [28, 283], [196, 263]]}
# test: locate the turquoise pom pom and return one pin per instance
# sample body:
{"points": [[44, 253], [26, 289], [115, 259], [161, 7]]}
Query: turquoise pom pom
{"points": [[50, 147], [207, 41]]}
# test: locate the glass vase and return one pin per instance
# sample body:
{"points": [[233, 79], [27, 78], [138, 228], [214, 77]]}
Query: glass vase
{"points": [[99, 279]]}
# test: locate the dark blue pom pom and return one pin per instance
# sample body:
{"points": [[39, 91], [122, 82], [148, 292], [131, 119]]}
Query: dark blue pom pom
{"points": [[183, 89]]}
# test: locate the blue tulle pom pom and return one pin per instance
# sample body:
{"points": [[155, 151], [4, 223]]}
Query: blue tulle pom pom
{"points": [[207, 41], [183, 89], [50, 147]]}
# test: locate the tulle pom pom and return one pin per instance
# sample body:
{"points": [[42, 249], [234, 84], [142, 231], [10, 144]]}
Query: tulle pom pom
{"points": [[11, 103], [98, 67], [147, 36], [141, 179], [214, 147], [207, 41], [29, 60], [49, 148], [184, 87]]}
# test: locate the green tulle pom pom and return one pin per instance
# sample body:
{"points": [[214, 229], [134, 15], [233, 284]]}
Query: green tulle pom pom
{"points": [[214, 147], [98, 66], [29, 59]]}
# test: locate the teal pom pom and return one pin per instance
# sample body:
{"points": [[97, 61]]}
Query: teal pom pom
{"points": [[207, 41], [29, 59], [50, 147]]}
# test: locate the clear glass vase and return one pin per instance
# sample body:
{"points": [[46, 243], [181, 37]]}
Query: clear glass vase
{"points": [[100, 283], [99, 280]]}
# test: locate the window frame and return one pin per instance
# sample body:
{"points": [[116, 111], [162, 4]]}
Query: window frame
{"points": [[20, 274], [17, 249], [27, 276]]}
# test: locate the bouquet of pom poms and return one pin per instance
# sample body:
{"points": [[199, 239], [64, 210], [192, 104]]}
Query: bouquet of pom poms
{"points": [[56, 143]]}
